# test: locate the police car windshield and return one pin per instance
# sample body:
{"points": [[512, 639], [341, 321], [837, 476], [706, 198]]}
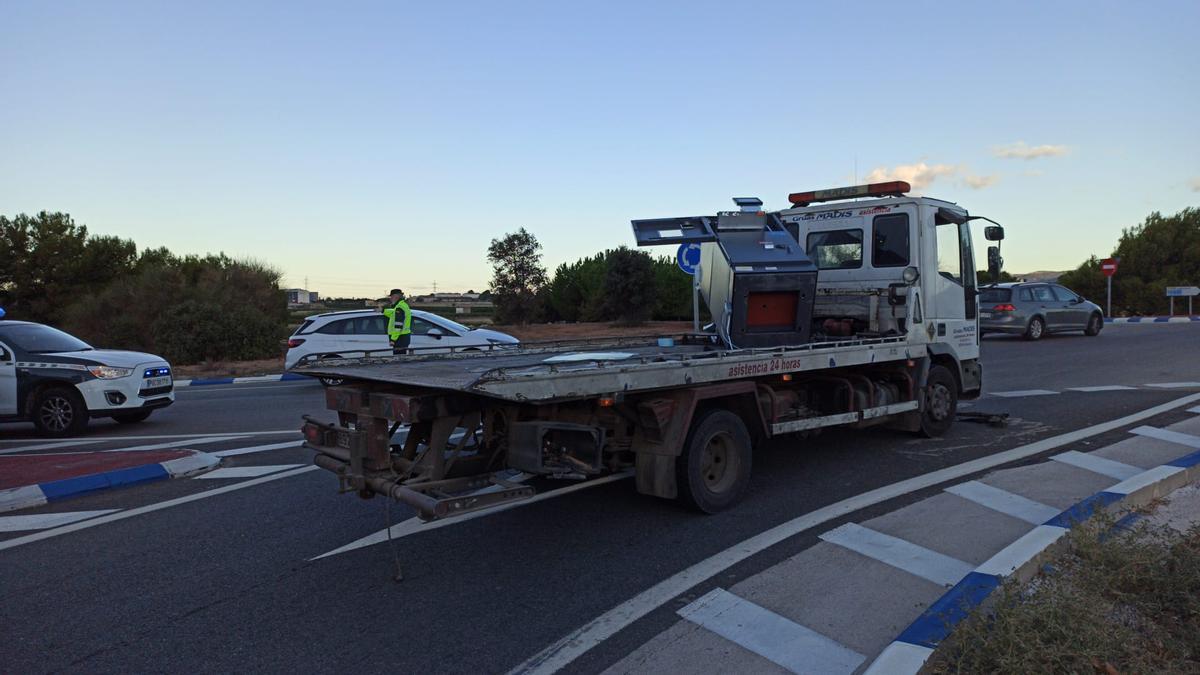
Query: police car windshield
{"points": [[38, 339]]}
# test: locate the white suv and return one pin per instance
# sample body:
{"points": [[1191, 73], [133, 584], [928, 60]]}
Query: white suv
{"points": [[361, 332]]}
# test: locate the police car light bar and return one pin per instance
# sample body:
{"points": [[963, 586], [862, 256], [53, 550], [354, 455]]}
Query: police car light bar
{"points": [[894, 188]]}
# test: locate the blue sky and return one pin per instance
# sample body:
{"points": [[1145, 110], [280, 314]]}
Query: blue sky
{"points": [[368, 145]]}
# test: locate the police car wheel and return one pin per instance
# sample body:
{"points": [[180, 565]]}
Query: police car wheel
{"points": [[59, 411], [132, 417]]}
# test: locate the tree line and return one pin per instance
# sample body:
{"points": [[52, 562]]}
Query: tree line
{"points": [[630, 286], [1161, 251], [620, 285], [187, 309]]}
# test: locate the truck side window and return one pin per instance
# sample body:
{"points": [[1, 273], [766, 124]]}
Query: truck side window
{"points": [[949, 253], [889, 247], [836, 249]]}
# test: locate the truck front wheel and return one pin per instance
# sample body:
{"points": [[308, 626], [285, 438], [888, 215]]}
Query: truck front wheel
{"points": [[713, 470], [941, 402]]}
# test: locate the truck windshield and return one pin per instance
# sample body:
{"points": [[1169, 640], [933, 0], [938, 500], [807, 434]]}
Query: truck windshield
{"points": [[836, 249]]}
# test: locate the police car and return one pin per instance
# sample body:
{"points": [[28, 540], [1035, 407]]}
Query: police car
{"points": [[58, 381]]}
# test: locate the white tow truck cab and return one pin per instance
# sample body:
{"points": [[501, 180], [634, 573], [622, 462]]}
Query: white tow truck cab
{"points": [[891, 264]]}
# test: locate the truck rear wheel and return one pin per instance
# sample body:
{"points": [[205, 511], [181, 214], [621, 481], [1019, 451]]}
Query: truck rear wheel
{"points": [[713, 470], [941, 402]]}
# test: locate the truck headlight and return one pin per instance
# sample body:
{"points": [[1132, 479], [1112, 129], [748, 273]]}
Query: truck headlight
{"points": [[109, 372]]}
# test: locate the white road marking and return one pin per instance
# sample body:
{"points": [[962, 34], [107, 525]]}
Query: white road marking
{"points": [[584, 638], [1023, 392], [152, 446], [1021, 551], [256, 448], [780, 640], [46, 446], [1100, 465], [1107, 387], [899, 657], [1147, 477], [416, 525], [1008, 503], [245, 471], [1168, 435], [121, 515], [176, 444], [122, 439], [1194, 410], [44, 521], [1175, 385], [899, 553]]}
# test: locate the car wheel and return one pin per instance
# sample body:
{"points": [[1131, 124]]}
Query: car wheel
{"points": [[941, 402], [132, 417], [713, 470], [59, 411], [1095, 323], [1036, 329], [333, 381]]}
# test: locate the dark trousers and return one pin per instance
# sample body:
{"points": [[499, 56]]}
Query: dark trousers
{"points": [[400, 344]]}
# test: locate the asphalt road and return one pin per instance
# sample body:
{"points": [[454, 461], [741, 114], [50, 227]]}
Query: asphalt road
{"points": [[218, 574]]}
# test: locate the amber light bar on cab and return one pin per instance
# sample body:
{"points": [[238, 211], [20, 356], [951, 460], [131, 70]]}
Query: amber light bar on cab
{"points": [[893, 188]]}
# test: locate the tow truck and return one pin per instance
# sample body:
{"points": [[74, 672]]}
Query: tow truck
{"points": [[854, 306]]}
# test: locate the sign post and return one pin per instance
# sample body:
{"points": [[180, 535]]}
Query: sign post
{"points": [[1181, 292], [1109, 267], [688, 258]]}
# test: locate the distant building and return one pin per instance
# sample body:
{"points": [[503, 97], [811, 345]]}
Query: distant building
{"points": [[447, 298], [299, 296]]}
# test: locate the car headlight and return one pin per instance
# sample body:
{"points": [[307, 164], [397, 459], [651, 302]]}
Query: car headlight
{"points": [[109, 372]]}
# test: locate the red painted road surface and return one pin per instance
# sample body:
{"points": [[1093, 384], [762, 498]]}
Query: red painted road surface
{"points": [[18, 470]]}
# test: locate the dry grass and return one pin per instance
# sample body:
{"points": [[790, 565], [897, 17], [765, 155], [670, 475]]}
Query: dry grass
{"points": [[1127, 603], [229, 369]]}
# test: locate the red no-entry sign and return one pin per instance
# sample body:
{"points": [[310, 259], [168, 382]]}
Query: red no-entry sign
{"points": [[1108, 266]]}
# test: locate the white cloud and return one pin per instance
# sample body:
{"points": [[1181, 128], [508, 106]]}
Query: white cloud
{"points": [[1020, 150], [919, 175], [1195, 184], [979, 182]]}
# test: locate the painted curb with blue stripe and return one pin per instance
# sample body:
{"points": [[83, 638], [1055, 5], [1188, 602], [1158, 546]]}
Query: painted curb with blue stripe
{"points": [[910, 650], [1154, 319], [281, 377], [25, 496]]}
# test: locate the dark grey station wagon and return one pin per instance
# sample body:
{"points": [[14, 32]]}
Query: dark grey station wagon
{"points": [[1033, 309]]}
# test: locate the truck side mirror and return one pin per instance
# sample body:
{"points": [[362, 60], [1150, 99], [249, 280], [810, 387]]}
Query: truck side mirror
{"points": [[993, 233]]}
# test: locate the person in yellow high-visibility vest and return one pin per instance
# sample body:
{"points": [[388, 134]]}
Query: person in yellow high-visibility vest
{"points": [[399, 325]]}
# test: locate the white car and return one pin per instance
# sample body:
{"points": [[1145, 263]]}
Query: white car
{"points": [[59, 382], [364, 332]]}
